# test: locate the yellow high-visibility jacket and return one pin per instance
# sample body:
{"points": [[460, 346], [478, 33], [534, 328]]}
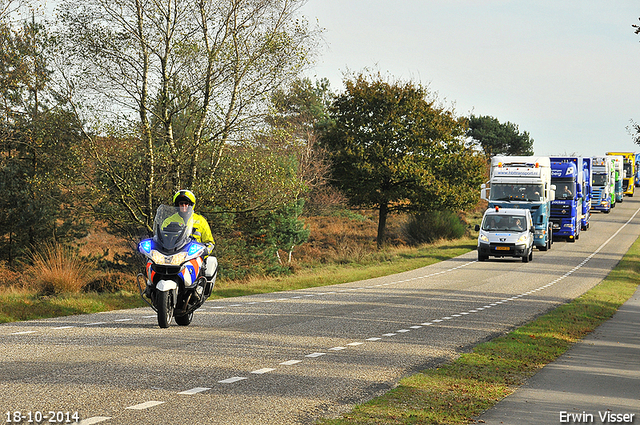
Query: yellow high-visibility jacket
{"points": [[201, 230]]}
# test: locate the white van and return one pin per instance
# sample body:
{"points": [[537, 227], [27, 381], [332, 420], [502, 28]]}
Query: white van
{"points": [[506, 232]]}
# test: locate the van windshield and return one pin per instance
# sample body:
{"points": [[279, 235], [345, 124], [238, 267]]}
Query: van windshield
{"points": [[504, 223]]}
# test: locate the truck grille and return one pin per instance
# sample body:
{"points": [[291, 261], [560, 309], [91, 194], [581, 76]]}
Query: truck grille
{"points": [[560, 211]]}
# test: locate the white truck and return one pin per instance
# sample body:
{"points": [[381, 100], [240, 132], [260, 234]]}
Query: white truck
{"points": [[523, 182], [618, 186], [603, 196]]}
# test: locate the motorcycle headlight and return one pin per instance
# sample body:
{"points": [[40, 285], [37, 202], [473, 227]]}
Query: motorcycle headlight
{"points": [[168, 260]]}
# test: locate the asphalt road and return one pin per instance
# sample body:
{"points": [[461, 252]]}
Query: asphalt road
{"points": [[290, 357]]}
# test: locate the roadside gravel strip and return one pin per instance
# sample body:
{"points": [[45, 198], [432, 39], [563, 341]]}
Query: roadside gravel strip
{"points": [[140, 319]]}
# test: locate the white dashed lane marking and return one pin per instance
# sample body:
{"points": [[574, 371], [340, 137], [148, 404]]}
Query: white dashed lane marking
{"points": [[290, 362], [94, 420], [232, 380], [146, 405], [263, 371], [194, 390]]}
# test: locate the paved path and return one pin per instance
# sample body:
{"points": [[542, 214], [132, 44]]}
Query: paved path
{"points": [[596, 382]]}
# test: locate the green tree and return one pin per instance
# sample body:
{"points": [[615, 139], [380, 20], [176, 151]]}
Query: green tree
{"points": [[38, 146], [284, 230], [394, 149], [496, 138], [299, 113]]}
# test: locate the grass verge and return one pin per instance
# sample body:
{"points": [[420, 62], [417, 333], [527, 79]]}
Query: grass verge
{"points": [[25, 304], [458, 391], [387, 262], [18, 305]]}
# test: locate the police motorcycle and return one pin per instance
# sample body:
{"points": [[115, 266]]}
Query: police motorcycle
{"points": [[175, 285]]}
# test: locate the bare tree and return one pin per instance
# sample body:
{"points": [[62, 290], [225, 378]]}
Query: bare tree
{"points": [[185, 78]]}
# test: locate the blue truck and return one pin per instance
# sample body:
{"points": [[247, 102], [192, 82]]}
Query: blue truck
{"points": [[567, 209], [586, 192], [637, 174]]}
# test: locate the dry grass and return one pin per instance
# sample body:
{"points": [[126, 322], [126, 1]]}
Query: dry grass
{"points": [[57, 269], [346, 239]]}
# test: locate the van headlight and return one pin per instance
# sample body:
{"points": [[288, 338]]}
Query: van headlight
{"points": [[483, 238], [522, 240]]}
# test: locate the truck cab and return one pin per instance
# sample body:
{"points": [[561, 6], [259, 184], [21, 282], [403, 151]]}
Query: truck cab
{"points": [[567, 213], [523, 182], [602, 184], [506, 232]]}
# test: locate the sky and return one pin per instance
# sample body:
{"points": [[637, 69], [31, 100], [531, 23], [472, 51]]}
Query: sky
{"points": [[567, 72]]}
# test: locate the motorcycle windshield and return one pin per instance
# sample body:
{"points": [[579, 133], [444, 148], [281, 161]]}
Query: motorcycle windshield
{"points": [[172, 227]]}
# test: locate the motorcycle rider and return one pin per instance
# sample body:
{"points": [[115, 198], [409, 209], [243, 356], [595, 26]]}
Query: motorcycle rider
{"points": [[183, 199]]}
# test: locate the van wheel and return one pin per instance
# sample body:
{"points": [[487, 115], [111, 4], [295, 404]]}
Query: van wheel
{"points": [[482, 257]]}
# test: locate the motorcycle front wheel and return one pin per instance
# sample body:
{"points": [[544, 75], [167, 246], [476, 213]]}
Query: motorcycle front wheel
{"points": [[165, 308]]}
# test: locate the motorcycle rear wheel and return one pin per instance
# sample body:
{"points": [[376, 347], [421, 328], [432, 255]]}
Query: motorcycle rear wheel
{"points": [[184, 320], [165, 308]]}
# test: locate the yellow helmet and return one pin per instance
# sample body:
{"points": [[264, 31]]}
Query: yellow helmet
{"points": [[184, 196]]}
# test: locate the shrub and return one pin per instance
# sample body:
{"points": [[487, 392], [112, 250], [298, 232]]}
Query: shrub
{"points": [[10, 278], [57, 269], [112, 282], [433, 225]]}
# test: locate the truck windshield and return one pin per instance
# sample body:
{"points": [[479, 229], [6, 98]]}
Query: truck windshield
{"points": [[516, 192], [565, 188], [504, 223], [599, 179]]}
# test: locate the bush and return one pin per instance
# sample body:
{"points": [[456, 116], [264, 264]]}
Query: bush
{"points": [[434, 225], [112, 282], [57, 269], [10, 278]]}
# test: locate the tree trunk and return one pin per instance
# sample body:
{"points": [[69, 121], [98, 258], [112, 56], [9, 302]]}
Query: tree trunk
{"points": [[382, 223]]}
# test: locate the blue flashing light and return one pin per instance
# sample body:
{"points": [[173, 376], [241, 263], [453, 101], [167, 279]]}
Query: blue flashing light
{"points": [[193, 248], [146, 245]]}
